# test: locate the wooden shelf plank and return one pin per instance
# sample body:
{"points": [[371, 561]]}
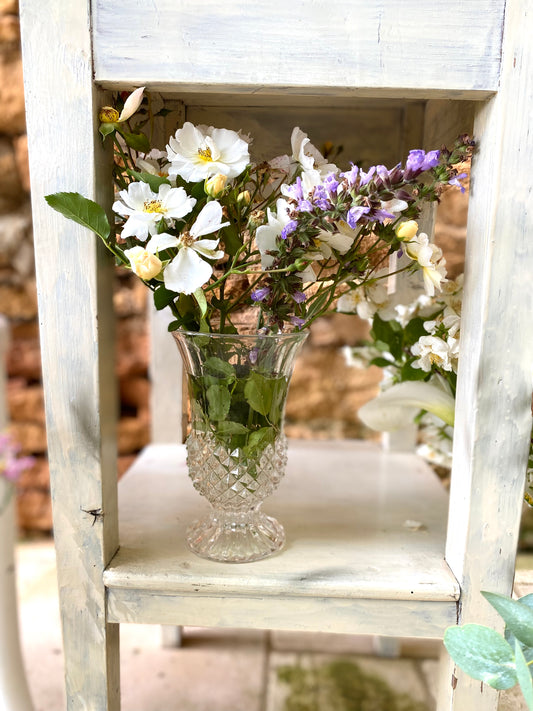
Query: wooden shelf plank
{"points": [[349, 512], [349, 46]]}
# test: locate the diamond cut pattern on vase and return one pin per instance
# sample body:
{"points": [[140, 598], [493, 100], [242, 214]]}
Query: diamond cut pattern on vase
{"points": [[230, 480]]}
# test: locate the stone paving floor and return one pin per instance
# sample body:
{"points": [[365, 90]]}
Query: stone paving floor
{"points": [[228, 670]]}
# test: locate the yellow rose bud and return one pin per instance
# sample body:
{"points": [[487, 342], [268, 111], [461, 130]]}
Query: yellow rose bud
{"points": [[108, 115], [407, 230], [145, 264], [244, 197], [215, 185]]}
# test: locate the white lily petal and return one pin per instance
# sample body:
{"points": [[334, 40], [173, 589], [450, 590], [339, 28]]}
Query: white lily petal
{"points": [[131, 104], [186, 272], [400, 403]]}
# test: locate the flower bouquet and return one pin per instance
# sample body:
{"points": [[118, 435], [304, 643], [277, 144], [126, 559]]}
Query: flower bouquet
{"points": [[216, 236]]}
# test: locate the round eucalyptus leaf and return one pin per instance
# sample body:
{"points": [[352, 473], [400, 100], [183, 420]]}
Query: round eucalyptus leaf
{"points": [[518, 616], [483, 654]]}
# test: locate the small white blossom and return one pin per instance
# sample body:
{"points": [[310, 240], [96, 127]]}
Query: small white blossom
{"points": [[430, 259], [432, 350], [199, 152], [188, 271], [144, 208]]}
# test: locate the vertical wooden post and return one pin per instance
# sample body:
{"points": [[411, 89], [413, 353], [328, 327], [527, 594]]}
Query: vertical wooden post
{"points": [[493, 419], [74, 278]]}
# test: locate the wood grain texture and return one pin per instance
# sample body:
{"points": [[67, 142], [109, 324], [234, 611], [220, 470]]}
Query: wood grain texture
{"points": [[394, 47], [346, 508], [75, 313], [493, 419]]}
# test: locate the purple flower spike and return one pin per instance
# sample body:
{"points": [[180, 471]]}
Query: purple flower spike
{"points": [[456, 183], [294, 191], [260, 294], [418, 161], [252, 355], [331, 184], [297, 321], [351, 175], [305, 206], [299, 297], [321, 198], [355, 214], [367, 177], [288, 229], [431, 160]]}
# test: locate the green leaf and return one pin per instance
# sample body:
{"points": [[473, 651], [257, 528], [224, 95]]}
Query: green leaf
{"points": [[317, 306], [258, 393], [517, 615], [381, 362], [415, 330], [81, 210], [137, 141], [231, 238], [163, 297], [154, 181], [261, 437], [483, 654], [524, 677], [407, 372], [217, 366], [227, 427], [219, 401], [201, 301]]}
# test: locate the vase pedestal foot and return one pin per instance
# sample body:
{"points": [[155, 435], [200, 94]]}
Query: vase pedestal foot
{"points": [[235, 537]]}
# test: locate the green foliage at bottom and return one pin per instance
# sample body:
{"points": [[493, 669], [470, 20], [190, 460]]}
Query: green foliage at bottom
{"points": [[341, 685]]}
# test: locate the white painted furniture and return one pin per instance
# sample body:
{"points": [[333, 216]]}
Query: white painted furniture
{"points": [[350, 564]]}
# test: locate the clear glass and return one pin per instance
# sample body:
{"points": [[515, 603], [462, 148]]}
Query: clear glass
{"points": [[236, 449]]}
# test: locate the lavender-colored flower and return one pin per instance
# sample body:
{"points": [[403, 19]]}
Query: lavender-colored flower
{"points": [[320, 198], [260, 294], [355, 214], [252, 355], [299, 297], [297, 321], [351, 175], [367, 177], [418, 161], [294, 191], [288, 229], [305, 206], [331, 184], [455, 181], [380, 215]]}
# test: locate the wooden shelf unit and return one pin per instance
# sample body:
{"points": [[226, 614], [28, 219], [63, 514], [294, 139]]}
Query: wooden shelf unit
{"points": [[451, 62]]}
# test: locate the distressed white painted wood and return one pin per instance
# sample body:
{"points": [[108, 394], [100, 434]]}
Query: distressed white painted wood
{"points": [[75, 307], [496, 374], [398, 47], [368, 534]]}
